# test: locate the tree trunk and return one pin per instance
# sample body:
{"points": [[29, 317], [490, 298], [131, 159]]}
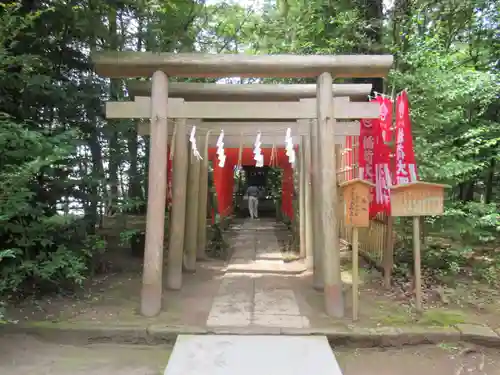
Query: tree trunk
{"points": [[488, 194], [114, 94]]}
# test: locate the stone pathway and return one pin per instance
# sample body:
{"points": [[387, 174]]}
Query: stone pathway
{"points": [[244, 299]]}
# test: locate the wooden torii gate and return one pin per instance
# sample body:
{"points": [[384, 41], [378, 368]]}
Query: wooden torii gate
{"points": [[320, 113]]}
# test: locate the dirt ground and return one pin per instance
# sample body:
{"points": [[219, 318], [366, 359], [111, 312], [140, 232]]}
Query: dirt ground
{"points": [[429, 360], [24, 355], [114, 299]]}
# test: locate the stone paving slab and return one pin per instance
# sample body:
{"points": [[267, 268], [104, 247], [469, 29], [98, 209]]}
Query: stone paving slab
{"points": [[242, 319], [269, 306], [233, 306], [279, 268], [251, 355], [237, 284], [270, 255], [280, 321], [275, 302]]}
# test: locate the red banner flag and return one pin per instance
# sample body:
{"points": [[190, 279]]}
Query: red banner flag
{"points": [[406, 168], [374, 156], [385, 117], [382, 157], [366, 150]]}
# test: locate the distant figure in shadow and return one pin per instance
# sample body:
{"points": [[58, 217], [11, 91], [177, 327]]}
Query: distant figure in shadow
{"points": [[253, 201]]}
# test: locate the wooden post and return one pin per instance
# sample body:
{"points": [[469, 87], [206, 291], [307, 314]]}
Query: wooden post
{"points": [[355, 274], [191, 230], [416, 259], [151, 293], [389, 253], [316, 170], [308, 203], [333, 294], [178, 216], [302, 201], [202, 203]]}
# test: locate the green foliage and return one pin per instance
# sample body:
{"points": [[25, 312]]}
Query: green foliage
{"points": [[455, 137], [471, 222], [463, 242], [39, 247]]}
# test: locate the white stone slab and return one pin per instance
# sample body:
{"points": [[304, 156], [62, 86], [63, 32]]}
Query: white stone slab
{"points": [[252, 355]]}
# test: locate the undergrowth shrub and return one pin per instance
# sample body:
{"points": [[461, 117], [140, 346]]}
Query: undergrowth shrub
{"points": [[40, 250], [465, 241]]}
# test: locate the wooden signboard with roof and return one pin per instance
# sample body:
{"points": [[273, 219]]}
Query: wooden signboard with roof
{"points": [[356, 204], [417, 199], [356, 198]]}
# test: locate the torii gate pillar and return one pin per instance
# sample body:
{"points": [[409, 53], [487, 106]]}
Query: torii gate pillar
{"points": [[334, 302], [192, 219], [178, 215], [202, 203], [151, 293]]}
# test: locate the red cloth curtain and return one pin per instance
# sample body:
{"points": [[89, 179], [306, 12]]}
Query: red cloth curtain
{"points": [[287, 192], [224, 177], [228, 189], [223, 181]]}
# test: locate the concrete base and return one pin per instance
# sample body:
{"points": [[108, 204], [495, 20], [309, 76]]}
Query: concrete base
{"points": [[251, 355]]}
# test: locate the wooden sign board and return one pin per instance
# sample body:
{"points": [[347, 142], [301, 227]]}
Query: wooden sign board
{"points": [[356, 201], [417, 199]]}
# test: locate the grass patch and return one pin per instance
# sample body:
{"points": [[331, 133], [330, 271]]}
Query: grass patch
{"points": [[430, 318], [442, 318]]}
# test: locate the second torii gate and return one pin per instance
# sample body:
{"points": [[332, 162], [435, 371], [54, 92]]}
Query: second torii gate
{"points": [[273, 134], [323, 109]]}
